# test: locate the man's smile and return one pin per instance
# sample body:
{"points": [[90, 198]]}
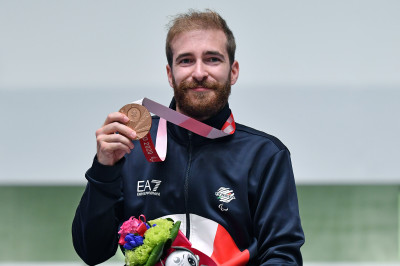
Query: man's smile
{"points": [[201, 89]]}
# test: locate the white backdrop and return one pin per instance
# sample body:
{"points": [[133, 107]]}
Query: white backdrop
{"points": [[323, 76]]}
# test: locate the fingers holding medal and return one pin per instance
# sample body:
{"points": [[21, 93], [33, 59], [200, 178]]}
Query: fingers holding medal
{"points": [[139, 119]]}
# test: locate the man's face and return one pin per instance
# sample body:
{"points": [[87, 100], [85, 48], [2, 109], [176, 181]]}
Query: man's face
{"points": [[201, 74]]}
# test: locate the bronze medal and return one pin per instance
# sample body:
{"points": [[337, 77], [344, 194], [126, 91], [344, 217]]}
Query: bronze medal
{"points": [[139, 119]]}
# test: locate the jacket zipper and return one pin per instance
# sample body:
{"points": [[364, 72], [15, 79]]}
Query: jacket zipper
{"points": [[187, 186]]}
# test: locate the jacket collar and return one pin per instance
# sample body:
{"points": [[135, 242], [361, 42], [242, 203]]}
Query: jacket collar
{"points": [[182, 134]]}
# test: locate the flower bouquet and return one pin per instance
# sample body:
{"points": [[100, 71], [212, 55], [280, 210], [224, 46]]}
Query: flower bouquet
{"points": [[158, 242], [144, 242]]}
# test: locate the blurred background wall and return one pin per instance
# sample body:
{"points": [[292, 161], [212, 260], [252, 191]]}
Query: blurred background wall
{"points": [[322, 76]]}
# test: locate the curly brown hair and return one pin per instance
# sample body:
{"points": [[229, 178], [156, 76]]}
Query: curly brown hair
{"points": [[195, 20]]}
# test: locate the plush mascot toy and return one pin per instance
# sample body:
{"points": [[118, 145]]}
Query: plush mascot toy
{"points": [[181, 253], [182, 257]]}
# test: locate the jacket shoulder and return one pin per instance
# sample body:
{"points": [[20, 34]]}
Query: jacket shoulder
{"points": [[262, 136]]}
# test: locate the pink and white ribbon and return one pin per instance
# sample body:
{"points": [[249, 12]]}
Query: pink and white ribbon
{"points": [[158, 153]]}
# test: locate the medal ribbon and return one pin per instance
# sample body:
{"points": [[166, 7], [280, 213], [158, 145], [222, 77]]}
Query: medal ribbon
{"points": [[159, 152]]}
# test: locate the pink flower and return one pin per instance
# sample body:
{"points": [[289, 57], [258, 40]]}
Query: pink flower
{"points": [[132, 226]]}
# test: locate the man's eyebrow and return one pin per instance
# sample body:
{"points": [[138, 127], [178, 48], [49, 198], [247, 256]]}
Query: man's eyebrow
{"points": [[214, 53], [182, 55]]}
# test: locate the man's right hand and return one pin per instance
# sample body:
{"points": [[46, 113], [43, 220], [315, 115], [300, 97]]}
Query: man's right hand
{"points": [[114, 139]]}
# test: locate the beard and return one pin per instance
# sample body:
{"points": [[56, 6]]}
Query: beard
{"points": [[201, 105]]}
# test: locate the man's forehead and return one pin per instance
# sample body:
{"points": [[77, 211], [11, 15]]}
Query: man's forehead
{"points": [[209, 41]]}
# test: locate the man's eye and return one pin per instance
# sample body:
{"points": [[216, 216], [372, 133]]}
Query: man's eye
{"points": [[185, 61], [213, 59]]}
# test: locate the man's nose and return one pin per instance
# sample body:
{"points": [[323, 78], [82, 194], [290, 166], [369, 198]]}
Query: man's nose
{"points": [[200, 72]]}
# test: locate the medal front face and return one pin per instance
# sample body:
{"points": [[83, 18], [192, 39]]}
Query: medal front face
{"points": [[139, 119]]}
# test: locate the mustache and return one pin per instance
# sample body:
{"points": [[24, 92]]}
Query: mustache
{"points": [[187, 85]]}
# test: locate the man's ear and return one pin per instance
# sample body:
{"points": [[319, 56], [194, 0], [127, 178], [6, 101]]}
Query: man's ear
{"points": [[234, 72], [169, 74]]}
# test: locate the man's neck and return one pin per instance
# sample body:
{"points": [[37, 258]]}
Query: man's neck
{"points": [[197, 118]]}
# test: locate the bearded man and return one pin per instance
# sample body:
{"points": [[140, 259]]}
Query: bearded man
{"points": [[235, 195]]}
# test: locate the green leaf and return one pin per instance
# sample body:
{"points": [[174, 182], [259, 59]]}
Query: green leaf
{"points": [[155, 254], [174, 230], [173, 233]]}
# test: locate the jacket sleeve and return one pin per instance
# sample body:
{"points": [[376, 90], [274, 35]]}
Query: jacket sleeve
{"points": [[96, 221], [277, 219]]}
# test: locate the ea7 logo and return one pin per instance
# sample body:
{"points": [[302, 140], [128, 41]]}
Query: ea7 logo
{"points": [[148, 187]]}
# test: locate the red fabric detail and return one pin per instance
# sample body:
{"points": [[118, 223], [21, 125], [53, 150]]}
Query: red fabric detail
{"points": [[141, 229], [148, 149], [181, 241], [226, 252], [229, 122], [225, 125], [233, 123], [121, 240]]}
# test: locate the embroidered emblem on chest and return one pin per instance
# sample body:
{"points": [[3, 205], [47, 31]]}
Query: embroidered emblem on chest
{"points": [[224, 195]]}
